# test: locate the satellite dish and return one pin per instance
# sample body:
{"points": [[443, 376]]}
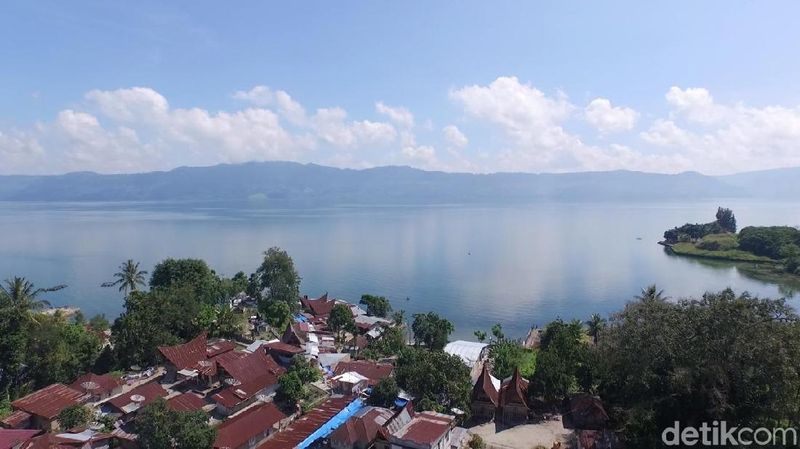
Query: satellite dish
{"points": [[137, 398]]}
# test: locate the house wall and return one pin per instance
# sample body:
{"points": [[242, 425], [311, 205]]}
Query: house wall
{"points": [[483, 410]]}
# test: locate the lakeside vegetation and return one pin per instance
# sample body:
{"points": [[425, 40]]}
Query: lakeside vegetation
{"points": [[722, 356], [776, 246]]}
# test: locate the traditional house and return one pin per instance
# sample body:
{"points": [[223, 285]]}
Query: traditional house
{"points": [[373, 371], [98, 386], [513, 399], [485, 395], [425, 430], [361, 430], [249, 428], [282, 352], [247, 377], [319, 307], [586, 412], [195, 359], [126, 405], [40, 409], [294, 335]]}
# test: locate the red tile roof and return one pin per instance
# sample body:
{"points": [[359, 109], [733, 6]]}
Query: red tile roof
{"points": [[307, 424], [15, 419], [186, 355], [49, 401], [238, 430], [373, 371], [141, 396], [186, 402], [12, 437], [362, 428], [91, 383]]}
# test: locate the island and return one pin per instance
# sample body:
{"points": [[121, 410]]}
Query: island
{"points": [[775, 249]]}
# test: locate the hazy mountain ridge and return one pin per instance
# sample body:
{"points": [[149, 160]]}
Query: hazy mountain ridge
{"points": [[288, 181]]}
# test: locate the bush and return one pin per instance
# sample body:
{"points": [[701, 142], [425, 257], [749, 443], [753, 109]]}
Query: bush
{"points": [[768, 241]]}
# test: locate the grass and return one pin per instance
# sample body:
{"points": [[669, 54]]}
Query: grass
{"points": [[527, 365], [735, 255]]}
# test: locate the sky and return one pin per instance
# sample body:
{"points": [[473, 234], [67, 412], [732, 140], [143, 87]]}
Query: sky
{"points": [[473, 86]]}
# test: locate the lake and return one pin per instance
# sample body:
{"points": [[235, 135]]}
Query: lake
{"points": [[518, 265]]}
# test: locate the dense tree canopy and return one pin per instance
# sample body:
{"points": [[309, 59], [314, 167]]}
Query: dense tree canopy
{"points": [[276, 313], [726, 219], [384, 394], [439, 381], [341, 320], [160, 427], [74, 416], [769, 241], [277, 277], [431, 330], [562, 361], [508, 355], [195, 273], [376, 305]]}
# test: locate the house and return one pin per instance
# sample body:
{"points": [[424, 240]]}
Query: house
{"points": [[319, 307], [126, 405], [425, 430], [349, 383], [361, 430], [98, 386], [195, 359], [585, 412], [307, 424], [14, 438], [294, 335], [373, 371], [485, 395], [87, 439], [40, 409], [282, 352], [249, 428], [186, 402], [513, 399], [470, 352], [246, 377]]}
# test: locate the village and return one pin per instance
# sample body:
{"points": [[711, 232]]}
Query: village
{"points": [[234, 383]]}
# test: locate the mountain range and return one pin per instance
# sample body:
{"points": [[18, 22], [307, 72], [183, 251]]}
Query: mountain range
{"points": [[291, 182]]}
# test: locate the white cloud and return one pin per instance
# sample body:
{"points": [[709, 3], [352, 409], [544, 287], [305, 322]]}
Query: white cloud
{"points": [[610, 119], [399, 115], [135, 103], [423, 156], [332, 126], [20, 151], [258, 95], [454, 137]]}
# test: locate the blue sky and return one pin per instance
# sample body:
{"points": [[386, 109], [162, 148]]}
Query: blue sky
{"points": [[459, 86]]}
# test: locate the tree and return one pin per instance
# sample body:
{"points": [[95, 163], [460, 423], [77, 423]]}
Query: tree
{"points": [[376, 305], [226, 323], [497, 332], [291, 388], [508, 355], [438, 380], [305, 369], [561, 361], [431, 330], [277, 277], [391, 342], [20, 293], [480, 335], [596, 323], [384, 393], [59, 351], [651, 293], [476, 442], [99, 323], [276, 313], [74, 416], [129, 277], [341, 320], [193, 273], [160, 427], [726, 219], [399, 317]]}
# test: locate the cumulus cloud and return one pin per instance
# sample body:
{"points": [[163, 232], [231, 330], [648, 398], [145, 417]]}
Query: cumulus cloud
{"points": [[399, 115], [454, 137], [610, 119]]}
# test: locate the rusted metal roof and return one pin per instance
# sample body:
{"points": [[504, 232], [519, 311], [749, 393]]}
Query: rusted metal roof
{"points": [[137, 398], [425, 429], [186, 402], [484, 388], [186, 355], [373, 371], [10, 438], [362, 428], [307, 424], [15, 419], [238, 430], [49, 401], [91, 383]]}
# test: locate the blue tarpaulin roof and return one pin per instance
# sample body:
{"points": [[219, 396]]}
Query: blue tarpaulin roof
{"points": [[337, 420]]}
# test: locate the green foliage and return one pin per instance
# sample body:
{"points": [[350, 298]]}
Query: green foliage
{"points": [[305, 369], [439, 380], [508, 355], [220, 320], [497, 332], [476, 442], [718, 242], [291, 388], [561, 362], [726, 219], [391, 342], [431, 330], [721, 357], [768, 241], [129, 277], [596, 324], [74, 416], [376, 305], [193, 273], [99, 323], [277, 313], [384, 393], [277, 277], [59, 351], [480, 335], [160, 427], [341, 320]]}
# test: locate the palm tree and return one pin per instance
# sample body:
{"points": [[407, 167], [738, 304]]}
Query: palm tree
{"points": [[596, 323], [20, 293], [651, 293], [129, 278]]}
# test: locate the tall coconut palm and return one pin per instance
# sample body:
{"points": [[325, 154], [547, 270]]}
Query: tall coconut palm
{"points": [[20, 293], [651, 293], [595, 324], [129, 278]]}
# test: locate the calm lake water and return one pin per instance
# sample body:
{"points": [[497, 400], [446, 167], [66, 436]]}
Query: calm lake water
{"points": [[517, 265]]}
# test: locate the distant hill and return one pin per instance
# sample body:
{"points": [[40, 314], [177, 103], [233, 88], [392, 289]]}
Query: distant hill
{"points": [[310, 183]]}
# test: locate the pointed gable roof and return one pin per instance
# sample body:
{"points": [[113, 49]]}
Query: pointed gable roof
{"points": [[484, 388], [319, 307], [514, 391], [187, 355], [294, 336]]}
